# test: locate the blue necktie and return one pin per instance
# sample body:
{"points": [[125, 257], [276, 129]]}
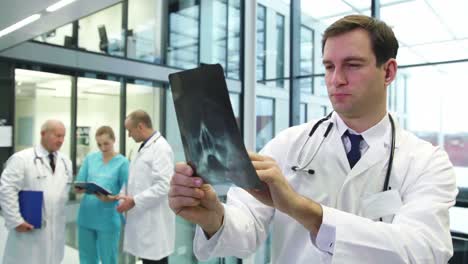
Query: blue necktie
{"points": [[355, 153], [52, 161]]}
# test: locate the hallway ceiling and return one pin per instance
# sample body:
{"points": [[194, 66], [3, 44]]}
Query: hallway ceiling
{"points": [[13, 11]]}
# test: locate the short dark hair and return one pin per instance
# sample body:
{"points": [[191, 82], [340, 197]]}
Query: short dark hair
{"points": [[383, 40], [107, 130], [140, 116]]}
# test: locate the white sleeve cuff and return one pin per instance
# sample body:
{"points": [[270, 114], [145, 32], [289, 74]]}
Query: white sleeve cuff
{"points": [[207, 242], [326, 236], [203, 247], [14, 223]]}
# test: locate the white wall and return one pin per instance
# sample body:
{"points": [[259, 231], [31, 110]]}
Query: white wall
{"points": [[41, 108], [99, 110]]}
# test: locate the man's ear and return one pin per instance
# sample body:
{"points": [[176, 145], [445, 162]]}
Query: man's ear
{"points": [[390, 68]]}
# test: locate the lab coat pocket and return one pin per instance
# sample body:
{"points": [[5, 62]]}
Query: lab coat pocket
{"points": [[381, 205]]}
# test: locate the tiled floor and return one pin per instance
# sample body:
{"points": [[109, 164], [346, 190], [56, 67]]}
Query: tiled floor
{"points": [[71, 253]]}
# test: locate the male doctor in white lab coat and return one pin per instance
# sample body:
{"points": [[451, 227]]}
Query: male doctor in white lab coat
{"points": [[331, 207], [41, 168], [150, 227]]}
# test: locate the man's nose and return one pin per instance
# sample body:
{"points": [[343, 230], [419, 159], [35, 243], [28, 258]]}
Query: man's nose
{"points": [[338, 77]]}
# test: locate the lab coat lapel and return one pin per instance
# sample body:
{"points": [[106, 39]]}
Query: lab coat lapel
{"points": [[372, 156], [45, 161], [376, 154], [150, 142], [339, 152]]}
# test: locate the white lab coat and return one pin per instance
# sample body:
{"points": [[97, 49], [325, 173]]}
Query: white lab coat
{"points": [[150, 225], [415, 211], [47, 244]]}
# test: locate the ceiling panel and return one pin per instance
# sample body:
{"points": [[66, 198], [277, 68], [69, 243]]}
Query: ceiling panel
{"points": [[412, 29], [14, 11]]}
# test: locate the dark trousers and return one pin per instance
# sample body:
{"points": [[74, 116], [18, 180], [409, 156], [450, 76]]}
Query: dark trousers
{"points": [[149, 261]]}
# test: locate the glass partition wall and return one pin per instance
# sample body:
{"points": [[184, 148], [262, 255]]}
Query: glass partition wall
{"points": [[176, 33], [102, 32], [98, 104], [147, 96]]}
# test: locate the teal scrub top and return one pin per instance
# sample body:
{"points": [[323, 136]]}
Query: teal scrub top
{"points": [[94, 213]]}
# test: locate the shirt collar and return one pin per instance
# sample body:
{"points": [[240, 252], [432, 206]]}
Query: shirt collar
{"points": [[148, 139], [42, 152], [373, 135]]}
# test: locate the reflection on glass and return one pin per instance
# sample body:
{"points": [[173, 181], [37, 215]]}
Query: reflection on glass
{"points": [[223, 45], [62, 36], [316, 111], [265, 121], [434, 101], [459, 230], [219, 33], [183, 42], [307, 59], [261, 42], [303, 116], [143, 95], [102, 31], [320, 88], [40, 96], [145, 34], [98, 105], [280, 35], [234, 38]]}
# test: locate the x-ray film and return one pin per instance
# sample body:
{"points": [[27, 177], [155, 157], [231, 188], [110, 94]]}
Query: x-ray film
{"points": [[212, 142]]}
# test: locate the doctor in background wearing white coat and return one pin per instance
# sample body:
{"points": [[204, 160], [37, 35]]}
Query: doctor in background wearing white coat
{"points": [[150, 226], [33, 169], [324, 197]]}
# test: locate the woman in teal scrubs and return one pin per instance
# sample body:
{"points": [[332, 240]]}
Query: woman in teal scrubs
{"points": [[98, 221]]}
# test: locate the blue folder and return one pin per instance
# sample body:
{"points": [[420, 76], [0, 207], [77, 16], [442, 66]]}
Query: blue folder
{"points": [[30, 203]]}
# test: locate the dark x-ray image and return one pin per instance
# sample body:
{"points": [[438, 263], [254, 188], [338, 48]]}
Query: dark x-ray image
{"points": [[212, 142]]}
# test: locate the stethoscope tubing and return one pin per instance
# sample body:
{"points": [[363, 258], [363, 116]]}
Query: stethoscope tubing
{"points": [[36, 157], [327, 131]]}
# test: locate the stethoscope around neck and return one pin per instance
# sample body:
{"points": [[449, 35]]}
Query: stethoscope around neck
{"points": [[40, 172], [327, 131]]}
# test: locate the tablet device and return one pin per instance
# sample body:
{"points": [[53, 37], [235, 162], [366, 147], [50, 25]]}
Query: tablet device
{"points": [[92, 187]]}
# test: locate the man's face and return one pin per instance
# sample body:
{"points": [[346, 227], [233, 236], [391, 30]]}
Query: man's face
{"points": [[133, 130], [53, 138], [356, 86]]}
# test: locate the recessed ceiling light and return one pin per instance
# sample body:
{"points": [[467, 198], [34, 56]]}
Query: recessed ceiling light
{"points": [[19, 25], [58, 5]]}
